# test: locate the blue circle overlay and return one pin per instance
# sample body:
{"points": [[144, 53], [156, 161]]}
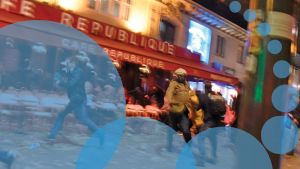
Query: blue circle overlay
{"points": [[61, 89], [274, 47], [264, 29], [285, 98], [143, 144], [235, 6], [280, 135], [282, 69], [224, 146], [249, 15]]}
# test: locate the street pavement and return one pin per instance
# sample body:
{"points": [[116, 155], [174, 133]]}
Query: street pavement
{"points": [[292, 162]]}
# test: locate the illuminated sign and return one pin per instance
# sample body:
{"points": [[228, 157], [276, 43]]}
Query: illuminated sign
{"points": [[199, 40]]}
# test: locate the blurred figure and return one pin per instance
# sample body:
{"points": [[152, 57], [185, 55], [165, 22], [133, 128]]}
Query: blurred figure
{"points": [[75, 86], [142, 92], [178, 105], [7, 158], [214, 110]]}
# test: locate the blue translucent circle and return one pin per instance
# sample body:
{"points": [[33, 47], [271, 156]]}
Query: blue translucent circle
{"points": [[224, 146], [274, 47], [67, 85], [235, 6], [249, 15], [280, 135], [143, 144], [285, 98], [264, 29], [282, 69]]}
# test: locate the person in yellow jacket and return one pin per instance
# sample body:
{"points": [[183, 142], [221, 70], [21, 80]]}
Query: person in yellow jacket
{"points": [[179, 105]]}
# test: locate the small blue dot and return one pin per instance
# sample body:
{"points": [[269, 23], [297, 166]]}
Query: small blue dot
{"points": [[284, 139], [282, 69], [249, 15], [264, 29], [235, 6], [285, 98], [274, 47]]}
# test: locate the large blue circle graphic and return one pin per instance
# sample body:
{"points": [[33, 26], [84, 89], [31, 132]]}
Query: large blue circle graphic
{"points": [[282, 69], [143, 144], [280, 135], [224, 146], [249, 15], [285, 98], [59, 81], [274, 47], [235, 6]]}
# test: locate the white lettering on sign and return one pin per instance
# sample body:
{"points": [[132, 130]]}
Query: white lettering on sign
{"points": [[122, 36], [82, 24], [97, 28], [28, 9], [67, 19], [77, 45], [138, 59], [109, 31], [171, 49], [152, 44], [8, 4]]}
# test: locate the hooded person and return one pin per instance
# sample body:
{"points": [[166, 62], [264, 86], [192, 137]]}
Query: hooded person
{"points": [[178, 104]]}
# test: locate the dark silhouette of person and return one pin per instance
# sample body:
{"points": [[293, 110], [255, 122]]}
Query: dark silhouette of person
{"points": [[75, 86]]}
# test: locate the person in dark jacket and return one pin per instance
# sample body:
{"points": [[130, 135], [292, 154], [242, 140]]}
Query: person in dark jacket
{"points": [[75, 86], [210, 121], [7, 158]]}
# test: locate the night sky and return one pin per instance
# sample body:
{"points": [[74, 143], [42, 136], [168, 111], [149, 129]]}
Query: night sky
{"points": [[221, 7]]}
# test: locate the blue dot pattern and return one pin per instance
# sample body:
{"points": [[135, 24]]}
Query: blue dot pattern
{"points": [[282, 69], [274, 47], [249, 15], [235, 6], [264, 29], [285, 98], [280, 135]]}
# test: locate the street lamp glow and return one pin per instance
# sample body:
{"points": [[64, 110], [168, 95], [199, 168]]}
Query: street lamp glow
{"points": [[136, 23], [67, 4]]}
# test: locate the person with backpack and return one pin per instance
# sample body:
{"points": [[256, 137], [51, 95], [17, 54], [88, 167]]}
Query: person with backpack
{"points": [[214, 108]]}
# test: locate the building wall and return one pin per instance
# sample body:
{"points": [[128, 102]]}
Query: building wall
{"points": [[145, 17]]}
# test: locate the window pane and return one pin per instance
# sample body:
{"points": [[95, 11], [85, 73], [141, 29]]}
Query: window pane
{"points": [[92, 4], [104, 6], [167, 31], [116, 8]]}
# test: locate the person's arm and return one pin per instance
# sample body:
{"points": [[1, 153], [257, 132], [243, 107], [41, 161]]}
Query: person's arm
{"points": [[169, 92]]}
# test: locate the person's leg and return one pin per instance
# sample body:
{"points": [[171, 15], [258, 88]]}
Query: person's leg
{"points": [[59, 121], [172, 121], [185, 128], [82, 116]]}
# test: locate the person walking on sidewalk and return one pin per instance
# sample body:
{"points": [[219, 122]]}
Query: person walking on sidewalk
{"points": [[75, 86], [178, 105]]}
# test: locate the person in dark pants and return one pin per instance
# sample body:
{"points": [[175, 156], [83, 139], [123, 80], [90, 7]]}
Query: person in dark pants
{"points": [[210, 121], [177, 103], [7, 158], [75, 85]]}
